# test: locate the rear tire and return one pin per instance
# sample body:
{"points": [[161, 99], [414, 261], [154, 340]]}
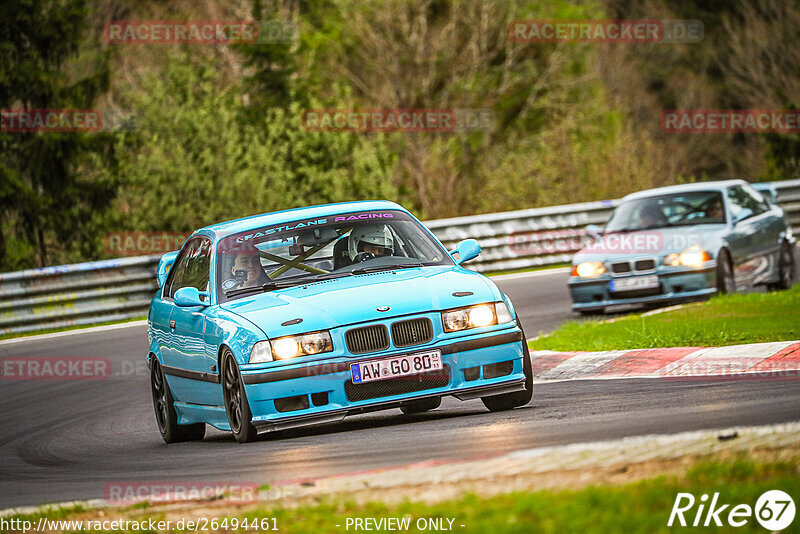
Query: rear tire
{"points": [[499, 403], [422, 405], [785, 269], [237, 407], [166, 416], [726, 283]]}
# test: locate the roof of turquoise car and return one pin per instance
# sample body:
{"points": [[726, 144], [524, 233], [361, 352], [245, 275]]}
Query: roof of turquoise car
{"points": [[267, 219], [685, 188]]}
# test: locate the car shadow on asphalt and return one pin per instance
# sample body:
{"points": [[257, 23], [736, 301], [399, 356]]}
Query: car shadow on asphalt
{"points": [[370, 422]]}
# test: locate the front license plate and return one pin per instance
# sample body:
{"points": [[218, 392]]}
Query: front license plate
{"points": [[630, 284], [411, 364]]}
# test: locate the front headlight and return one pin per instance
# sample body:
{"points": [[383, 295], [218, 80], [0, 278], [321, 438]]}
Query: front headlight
{"points": [[589, 269], [284, 348], [691, 257], [476, 316]]}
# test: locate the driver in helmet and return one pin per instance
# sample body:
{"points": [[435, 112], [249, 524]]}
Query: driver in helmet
{"points": [[370, 241]]}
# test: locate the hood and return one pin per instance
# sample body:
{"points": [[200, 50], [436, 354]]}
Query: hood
{"points": [[354, 299], [657, 242]]}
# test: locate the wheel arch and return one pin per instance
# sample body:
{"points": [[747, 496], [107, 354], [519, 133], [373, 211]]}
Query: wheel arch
{"points": [[154, 352]]}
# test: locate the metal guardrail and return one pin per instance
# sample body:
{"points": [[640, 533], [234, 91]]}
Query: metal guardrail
{"points": [[114, 290], [524, 238], [79, 294]]}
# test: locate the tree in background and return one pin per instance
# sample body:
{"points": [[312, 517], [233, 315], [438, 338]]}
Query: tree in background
{"points": [[762, 68], [554, 131], [749, 58], [46, 201], [219, 131], [197, 162]]}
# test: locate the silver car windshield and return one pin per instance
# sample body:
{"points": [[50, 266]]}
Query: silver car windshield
{"points": [[301, 251], [683, 209]]}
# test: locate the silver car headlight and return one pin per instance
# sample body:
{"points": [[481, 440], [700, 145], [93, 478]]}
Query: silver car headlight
{"points": [[476, 316], [691, 257], [589, 269]]}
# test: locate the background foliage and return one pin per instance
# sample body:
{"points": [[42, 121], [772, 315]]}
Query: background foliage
{"points": [[214, 132]]}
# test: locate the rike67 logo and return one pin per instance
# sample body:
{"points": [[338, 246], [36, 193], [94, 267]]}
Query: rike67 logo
{"points": [[774, 510]]}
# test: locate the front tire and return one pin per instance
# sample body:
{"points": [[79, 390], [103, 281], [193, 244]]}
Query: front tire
{"points": [[726, 284], [499, 403], [166, 416], [785, 269], [236, 405]]}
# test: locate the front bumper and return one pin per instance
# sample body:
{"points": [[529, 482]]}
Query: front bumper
{"points": [[674, 286], [475, 366]]}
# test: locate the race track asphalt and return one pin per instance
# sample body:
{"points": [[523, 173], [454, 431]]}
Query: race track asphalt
{"points": [[66, 440]]}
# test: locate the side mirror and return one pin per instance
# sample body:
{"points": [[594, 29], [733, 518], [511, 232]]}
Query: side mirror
{"points": [[742, 215], [768, 192], [190, 296], [164, 265], [594, 231], [466, 250]]}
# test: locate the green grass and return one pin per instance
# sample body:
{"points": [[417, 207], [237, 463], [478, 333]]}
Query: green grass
{"points": [[67, 328], [637, 507], [724, 320], [642, 506]]}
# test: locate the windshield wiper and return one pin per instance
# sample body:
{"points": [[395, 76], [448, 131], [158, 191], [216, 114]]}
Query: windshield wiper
{"points": [[270, 286], [331, 276], [378, 268]]}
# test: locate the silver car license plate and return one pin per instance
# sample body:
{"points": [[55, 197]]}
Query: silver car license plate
{"points": [[632, 284]]}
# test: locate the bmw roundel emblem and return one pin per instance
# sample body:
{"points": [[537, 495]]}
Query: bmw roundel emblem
{"points": [[383, 308]]}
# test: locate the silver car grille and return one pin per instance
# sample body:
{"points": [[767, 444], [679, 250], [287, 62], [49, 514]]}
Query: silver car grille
{"points": [[633, 267]]}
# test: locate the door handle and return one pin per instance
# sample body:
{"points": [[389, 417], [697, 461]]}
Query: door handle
{"points": [[172, 323]]}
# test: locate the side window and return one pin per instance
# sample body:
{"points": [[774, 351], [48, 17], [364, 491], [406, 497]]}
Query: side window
{"points": [[179, 267], [198, 267], [741, 198], [191, 267]]}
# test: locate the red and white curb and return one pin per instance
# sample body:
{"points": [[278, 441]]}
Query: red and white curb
{"points": [[779, 360]]}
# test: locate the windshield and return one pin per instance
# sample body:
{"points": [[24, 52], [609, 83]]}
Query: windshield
{"points": [[307, 250], [682, 209]]}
